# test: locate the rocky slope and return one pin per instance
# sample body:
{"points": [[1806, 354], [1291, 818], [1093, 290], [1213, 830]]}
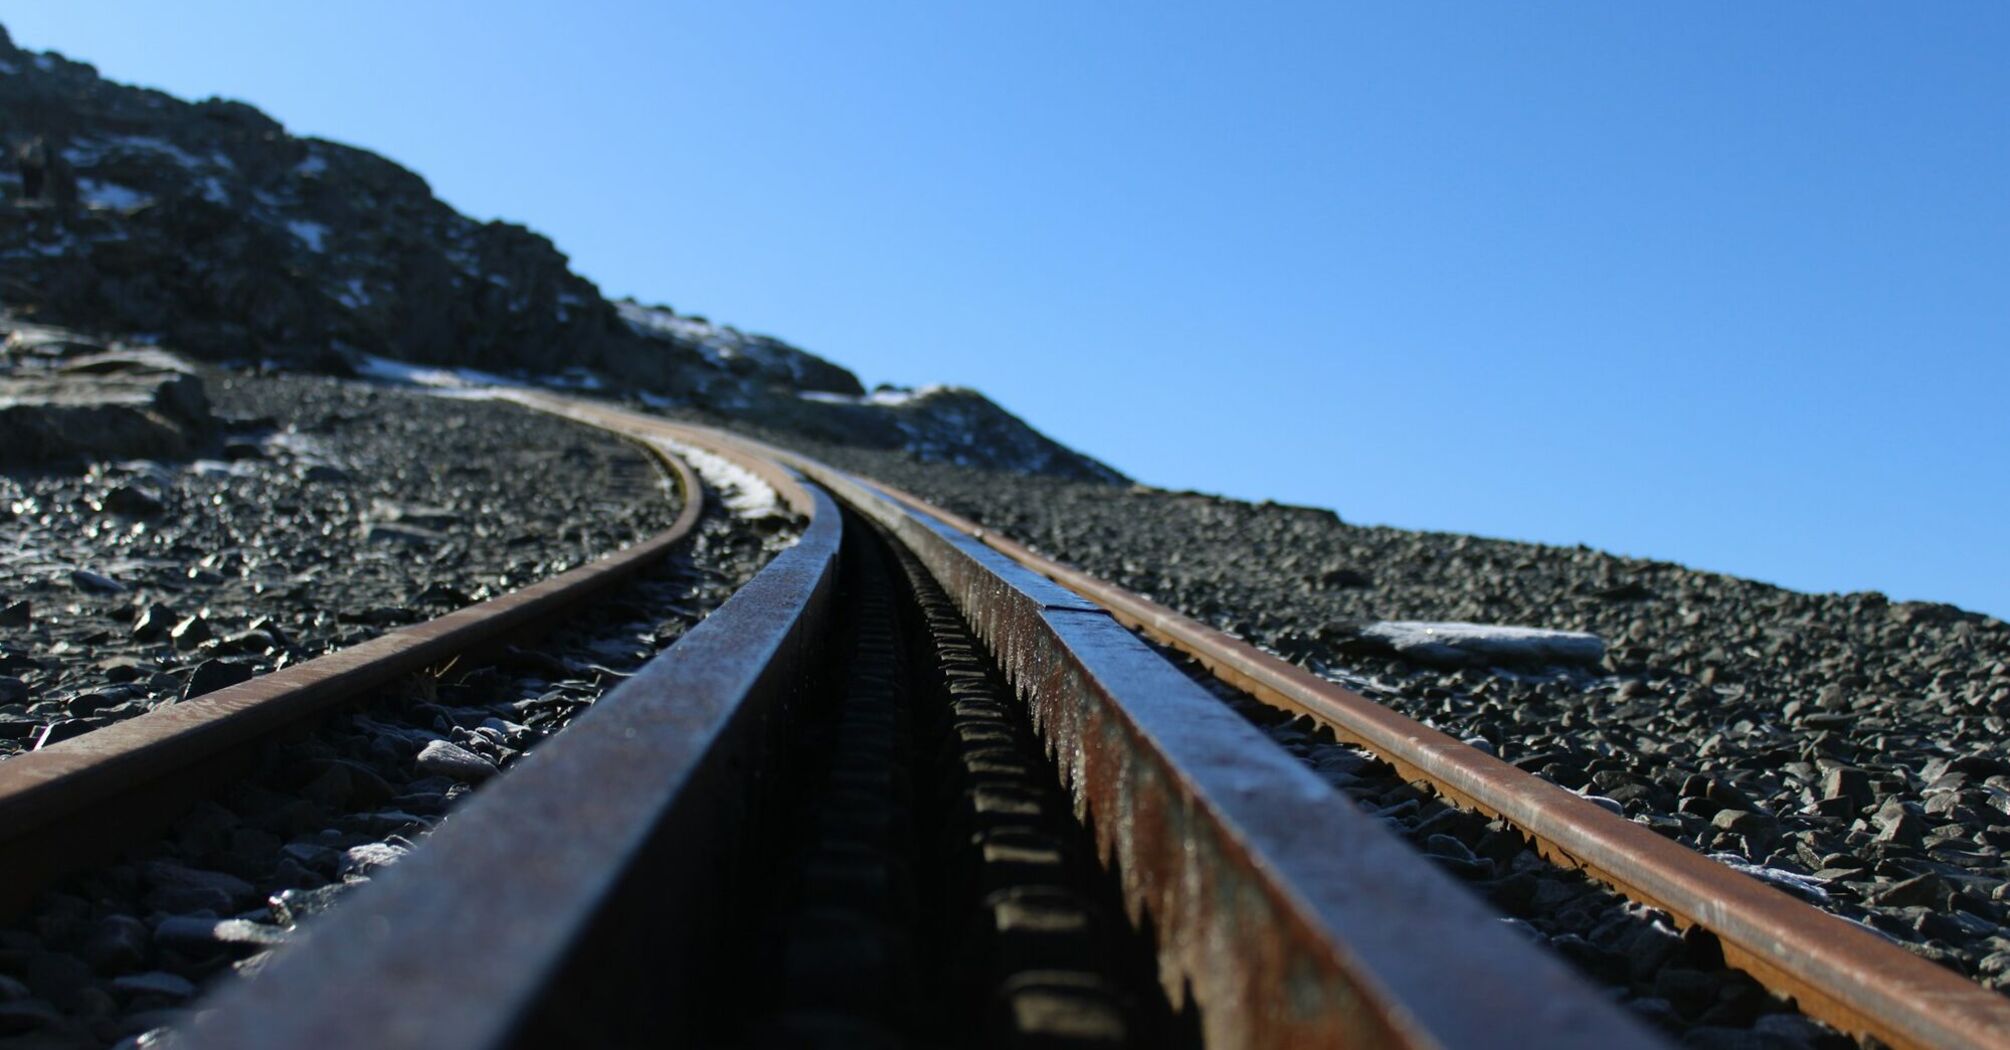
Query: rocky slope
{"points": [[208, 228]]}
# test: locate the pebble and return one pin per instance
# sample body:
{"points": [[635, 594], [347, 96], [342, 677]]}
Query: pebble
{"points": [[450, 760], [370, 857], [155, 982], [194, 931], [95, 583], [211, 675]]}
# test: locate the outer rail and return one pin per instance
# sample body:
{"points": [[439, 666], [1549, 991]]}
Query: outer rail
{"points": [[1833, 969], [585, 850], [1290, 917], [79, 799]]}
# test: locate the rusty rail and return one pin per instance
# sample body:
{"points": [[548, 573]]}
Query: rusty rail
{"points": [[610, 843], [1289, 917], [1832, 969], [79, 800]]}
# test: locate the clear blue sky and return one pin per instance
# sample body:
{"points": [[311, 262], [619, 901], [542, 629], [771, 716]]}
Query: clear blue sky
{"points": [[1702, 282]]}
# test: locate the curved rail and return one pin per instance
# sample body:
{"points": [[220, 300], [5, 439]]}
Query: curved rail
{"points": [[1293, 919], [1833, 969], [79, 800], [574, 853]]}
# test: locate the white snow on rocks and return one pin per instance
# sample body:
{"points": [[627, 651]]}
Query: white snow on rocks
{"points": [[386, 369], [312, 234], [740, 490], [99, 194], [1459, 644], [891, 397]]}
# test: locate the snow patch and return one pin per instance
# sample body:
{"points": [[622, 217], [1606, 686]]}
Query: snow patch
{"points": [[315, 164], [312, 234], [1457, 644], [89, 151], [740, 490], [98, 194], [404, 372], [353, 294], [890, 397], [651, 319]]}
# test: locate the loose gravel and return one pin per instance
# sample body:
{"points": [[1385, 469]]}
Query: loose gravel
{"points": [[1849, 747], [326, 513], [1675, 980], [123, 951]]}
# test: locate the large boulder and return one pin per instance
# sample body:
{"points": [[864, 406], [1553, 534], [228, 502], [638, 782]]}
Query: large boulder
{"points": [[60, 410]]}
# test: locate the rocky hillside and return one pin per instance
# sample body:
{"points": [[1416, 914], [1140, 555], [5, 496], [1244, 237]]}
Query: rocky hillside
{"points": [[208, 228]]}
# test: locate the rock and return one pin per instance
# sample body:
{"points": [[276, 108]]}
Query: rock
{"points": [[168, 879], [441, 758], [441, 594], [195, 931], [132, 502], [157, 983], [95, 583], [17, 614], [13, 690], [1745, 822], [1850, 783], [292, 906], [154, 622], [369, 857], [1471, 644], [57, 732], [1927, 890], [403, 535], [1907, 829], [211, 675], [191, 632], [21, 1016], [1344, 578], [66, 420]]}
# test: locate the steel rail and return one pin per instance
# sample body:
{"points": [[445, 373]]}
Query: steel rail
{"points": [[1288, 916], [1833, 969], [80, 800], [605, 850]]}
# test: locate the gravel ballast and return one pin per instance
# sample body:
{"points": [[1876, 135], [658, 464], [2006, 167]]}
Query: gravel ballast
{"points": [[123, 951], [325, 512], [1844, 745]]}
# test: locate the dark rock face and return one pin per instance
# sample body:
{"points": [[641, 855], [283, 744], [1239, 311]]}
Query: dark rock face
{"points": [[62, 410], [211, 230]]}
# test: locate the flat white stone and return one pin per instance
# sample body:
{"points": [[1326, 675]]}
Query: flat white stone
{"points": [[1456, 644]]}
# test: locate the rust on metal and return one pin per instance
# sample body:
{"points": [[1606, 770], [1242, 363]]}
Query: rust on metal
{"points": [[611, 842], [1834, 970], [1293, 919], [58, 804]]}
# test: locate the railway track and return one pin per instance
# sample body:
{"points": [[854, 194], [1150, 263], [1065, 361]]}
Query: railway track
{"points": [[916, 785]]}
